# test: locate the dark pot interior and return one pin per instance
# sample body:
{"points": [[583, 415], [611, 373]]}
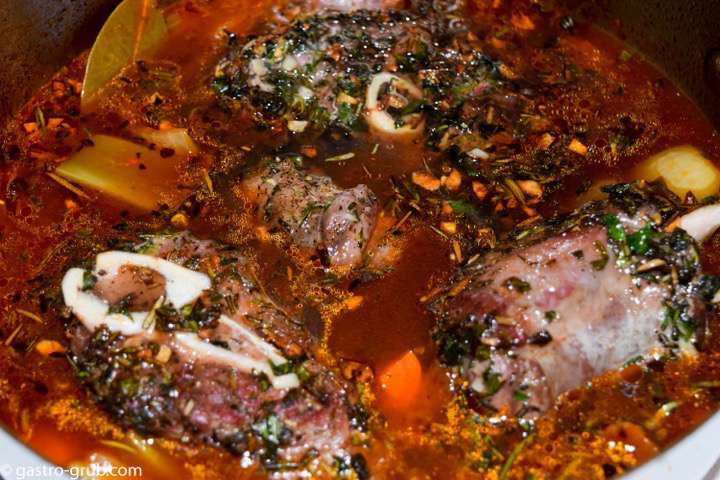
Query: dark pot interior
{"points": [[38, 38]]}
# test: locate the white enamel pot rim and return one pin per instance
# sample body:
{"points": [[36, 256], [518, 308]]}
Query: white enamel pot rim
{"points": [[695, 457]]}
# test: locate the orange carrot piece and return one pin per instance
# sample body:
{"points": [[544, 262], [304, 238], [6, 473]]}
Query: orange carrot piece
{"points": [[48, 347], [400, 381]]}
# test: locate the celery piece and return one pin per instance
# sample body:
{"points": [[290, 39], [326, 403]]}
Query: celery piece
{"points": [[125, 171]]}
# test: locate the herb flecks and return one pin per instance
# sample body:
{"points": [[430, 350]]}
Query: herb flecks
{"points": [[601, 262], [540, 338], [88, 281], [516, 284]]}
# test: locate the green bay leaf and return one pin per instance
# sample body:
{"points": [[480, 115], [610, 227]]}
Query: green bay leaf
{"points": [[134, 29]]}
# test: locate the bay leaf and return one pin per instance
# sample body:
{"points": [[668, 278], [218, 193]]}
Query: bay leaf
{"points": [[134, 29]]}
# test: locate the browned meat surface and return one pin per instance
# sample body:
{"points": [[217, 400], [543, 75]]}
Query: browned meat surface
{"points": [[198, 400], [537, 320], [230, 369], [600, 318], [317, 214]]}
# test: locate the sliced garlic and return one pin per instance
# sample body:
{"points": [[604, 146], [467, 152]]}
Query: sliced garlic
{"points": [[478, 154], [305, 93], [176, 138], [258, 72], [289, 63]]}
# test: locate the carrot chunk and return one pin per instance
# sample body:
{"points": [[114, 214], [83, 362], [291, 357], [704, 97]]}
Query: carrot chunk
{"points": [[400, 381]]}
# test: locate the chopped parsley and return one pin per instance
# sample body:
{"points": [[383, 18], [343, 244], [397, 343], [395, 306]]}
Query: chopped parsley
{"points": [[461, 207], [615, 229], [88, 281], [639, 242], [347, 117], [492, 380], [520, 396]]}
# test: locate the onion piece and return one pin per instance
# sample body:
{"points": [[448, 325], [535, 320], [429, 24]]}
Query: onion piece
{"points": [[380, 120], [684, 169], [175, 138]]}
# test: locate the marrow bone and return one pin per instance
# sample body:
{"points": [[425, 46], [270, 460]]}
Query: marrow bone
{"points": [[379, 119], [182, 287], [207, 351]]}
